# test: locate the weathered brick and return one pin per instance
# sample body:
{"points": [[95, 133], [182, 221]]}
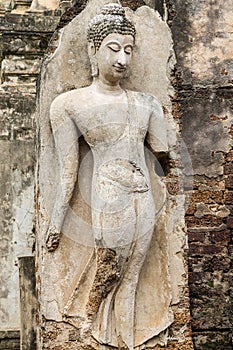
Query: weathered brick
{"points": [[205, 313], [230, 222], [203, 292], [207, 196], [216, 263], [206, 183], [206, 221], [229, 157], [212, 340], [228, 169], [229, 181], [222, 237], [211, 317], [230, 207], [196, 249], [230, 250], [213, 249], [229, 197], [192, 207], [198, 277], [196, 236]]}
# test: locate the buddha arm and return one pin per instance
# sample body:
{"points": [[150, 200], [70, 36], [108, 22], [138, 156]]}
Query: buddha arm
{"points": [[157, 135], [66, 143]]}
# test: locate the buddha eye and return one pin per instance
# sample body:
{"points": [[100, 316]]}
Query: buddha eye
{"points": [[114, 47], [128, 50]]}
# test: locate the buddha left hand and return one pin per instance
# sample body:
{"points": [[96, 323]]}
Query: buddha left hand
{"points": [[52, 238]]}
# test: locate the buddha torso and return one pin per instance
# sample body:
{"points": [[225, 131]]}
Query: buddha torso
{"points": [[114, 127]]}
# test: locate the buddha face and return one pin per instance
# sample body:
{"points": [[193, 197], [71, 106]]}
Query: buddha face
{"points": [[113, 57]]}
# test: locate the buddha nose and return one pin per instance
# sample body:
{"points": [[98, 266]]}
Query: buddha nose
{"points": [[122, 58]]}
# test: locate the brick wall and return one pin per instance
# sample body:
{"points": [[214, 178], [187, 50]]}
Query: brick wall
{"points": [[203, 102]]}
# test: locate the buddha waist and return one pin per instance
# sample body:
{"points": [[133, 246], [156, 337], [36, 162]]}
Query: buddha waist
{"points": [[124, 173]]}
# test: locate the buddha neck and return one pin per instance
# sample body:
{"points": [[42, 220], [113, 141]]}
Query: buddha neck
{"points": [[107, 89]]}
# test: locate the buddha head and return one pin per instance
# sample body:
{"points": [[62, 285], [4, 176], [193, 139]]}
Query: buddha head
{"points": [[111, 38]]}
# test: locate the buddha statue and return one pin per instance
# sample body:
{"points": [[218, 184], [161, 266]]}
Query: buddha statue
{"points": [[115, 123]]}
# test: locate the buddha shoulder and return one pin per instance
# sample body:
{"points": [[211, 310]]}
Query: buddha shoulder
{"points": [[147, 100], [71, 100]]}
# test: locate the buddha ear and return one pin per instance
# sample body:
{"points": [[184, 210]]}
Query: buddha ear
{"points": [[91, 48], [93, 59]]}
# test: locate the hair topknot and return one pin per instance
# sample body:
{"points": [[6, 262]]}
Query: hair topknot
{"points": [[113, 9], [111, 19]]}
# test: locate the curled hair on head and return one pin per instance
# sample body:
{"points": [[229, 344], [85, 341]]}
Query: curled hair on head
{"points": [[112, 19]]}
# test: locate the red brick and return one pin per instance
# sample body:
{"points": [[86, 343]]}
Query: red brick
{"points": [[231, 131], [230, 250], [191, 209], [218, 339], [206, 221], [216, 263], [229, 197], [209, 249], [230, 207], [222, 237], [212, 249], [203, 180], [204, 292], [229, 157], [229, 181], [207, 196], [196, 237], [228, 169], [230, 222], [197, 277]]}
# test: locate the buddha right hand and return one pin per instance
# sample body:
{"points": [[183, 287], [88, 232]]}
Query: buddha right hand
{"points": [[52, 238]]}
